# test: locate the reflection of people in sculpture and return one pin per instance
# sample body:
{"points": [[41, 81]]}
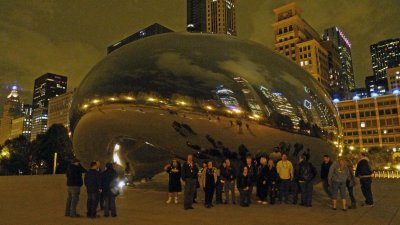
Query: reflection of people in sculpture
{"points": [[174, 184]]}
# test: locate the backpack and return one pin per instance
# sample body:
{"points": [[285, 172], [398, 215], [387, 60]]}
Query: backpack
{"points": [[307, 172]]}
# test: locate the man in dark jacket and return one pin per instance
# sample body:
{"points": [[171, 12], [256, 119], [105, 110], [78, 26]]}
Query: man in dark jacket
{"points": [[325, 166], [252, 173], [109, 184], [229, 176], [93, 187], [74, 183], [364, 172], [305, 173], [189, 177]]}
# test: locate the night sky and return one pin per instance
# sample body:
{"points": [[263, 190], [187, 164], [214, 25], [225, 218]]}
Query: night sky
{"points": [[69, 36]]}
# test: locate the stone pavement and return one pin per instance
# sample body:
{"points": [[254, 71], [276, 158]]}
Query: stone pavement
{"points": [[39, 200]]}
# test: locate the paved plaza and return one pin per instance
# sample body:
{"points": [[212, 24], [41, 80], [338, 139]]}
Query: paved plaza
{"points": [[40, 200]]}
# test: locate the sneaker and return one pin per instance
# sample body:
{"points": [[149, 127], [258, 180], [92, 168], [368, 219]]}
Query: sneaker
{"points": [[169, 200], [368, 205], [264, 203], [176, 201], [259, 201]]}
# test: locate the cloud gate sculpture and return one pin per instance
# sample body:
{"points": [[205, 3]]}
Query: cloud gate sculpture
{"points": [[172, 94]]}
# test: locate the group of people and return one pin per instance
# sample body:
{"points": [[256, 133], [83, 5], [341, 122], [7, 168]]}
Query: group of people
{"points": [[274, 177], [101, 186]]}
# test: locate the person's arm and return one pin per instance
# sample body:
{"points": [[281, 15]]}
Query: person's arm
{"points": [[330, 174], [358, 170], [183, 172], [291, 171]]}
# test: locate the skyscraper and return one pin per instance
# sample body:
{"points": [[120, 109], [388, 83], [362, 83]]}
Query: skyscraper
{"points": [[385, 54], [376, 87], [346, 73], [298, 41], [151, 30], [12, 109], [211, 16], [46, 87], [59, 109], [393, 77]]}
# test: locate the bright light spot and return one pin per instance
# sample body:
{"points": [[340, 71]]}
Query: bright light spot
{"points": [[229, 111], [374, 95], [181, 103], [151, 99], [117, 147], [386, 167], [362, 124], [209, 107], [237, 111], [129, 98], [95, 101], [351, 148], [85, 106], [396, 92], [116, 158], [356, 98], [121, 184], [398, 167], [112, 99], [14, 88], [336, 100], [394, 149]]}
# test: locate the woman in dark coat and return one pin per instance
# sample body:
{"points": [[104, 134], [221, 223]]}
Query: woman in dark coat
{"points": [[272, 181], [174, 184]]}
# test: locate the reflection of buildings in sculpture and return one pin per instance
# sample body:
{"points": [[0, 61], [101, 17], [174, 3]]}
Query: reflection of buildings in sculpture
{"points": [[281, 105], [226, 96], [11, 109], [250, 95]]}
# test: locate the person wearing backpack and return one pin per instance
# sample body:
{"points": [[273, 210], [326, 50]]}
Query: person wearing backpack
{"points": [[338, 175], [305, 173], [364, 172]]}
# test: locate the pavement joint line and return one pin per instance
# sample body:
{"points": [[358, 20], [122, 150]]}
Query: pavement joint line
{"points": [[394, 216]]}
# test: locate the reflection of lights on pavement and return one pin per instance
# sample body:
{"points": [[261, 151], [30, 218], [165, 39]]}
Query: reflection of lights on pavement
{"points": [[116, 158]]}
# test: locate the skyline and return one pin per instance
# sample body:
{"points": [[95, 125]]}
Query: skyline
{"points": [[70, 38]]}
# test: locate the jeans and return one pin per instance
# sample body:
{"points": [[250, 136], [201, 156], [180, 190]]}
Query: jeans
{"points": [[218, 193], [366, 190], [91, 204], [101, 200], [188, 192], [262, 190], [306, 188], [244, 197], [327, 188], [72, 200], [350, 189], [109, 204], [284, 189], [272, 191], [209, 194], [230, 187]]}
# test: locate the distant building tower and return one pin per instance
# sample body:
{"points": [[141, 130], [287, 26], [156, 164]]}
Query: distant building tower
{"points": [[378, 87], [393, 76], [12, 109], [297, 40], [346, 73], [46, 87], [211, 16], [385, 54], [59, 109], [22, 125], [151, 30]]}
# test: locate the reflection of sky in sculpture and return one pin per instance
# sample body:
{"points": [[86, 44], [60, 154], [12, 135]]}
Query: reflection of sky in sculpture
{"points": [[198, 70]]}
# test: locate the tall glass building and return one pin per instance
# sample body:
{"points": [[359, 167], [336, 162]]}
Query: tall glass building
{"points": [[46, 87], [385, 54]]}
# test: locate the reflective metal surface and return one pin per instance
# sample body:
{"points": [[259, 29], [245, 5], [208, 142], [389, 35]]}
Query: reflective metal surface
{"points": [[168, 92]]}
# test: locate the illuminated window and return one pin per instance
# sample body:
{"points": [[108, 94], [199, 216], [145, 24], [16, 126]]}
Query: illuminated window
{"points": [[362, 124]]}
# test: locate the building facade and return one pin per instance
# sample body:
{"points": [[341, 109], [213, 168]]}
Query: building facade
{"points": [[12, 109], [151, 30], [393, 78], [371, 122], [345, 82], [211, 16], [385, 54], [46, 87], [297, 40], [376, 87], [59, 109]]}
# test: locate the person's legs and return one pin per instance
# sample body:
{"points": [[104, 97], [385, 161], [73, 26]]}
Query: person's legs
{"points": [[250, 190], [366, 189], [113, 206], [285, 190], [68, 205], [310, 189], [107, 205], [326, 187], [303, 192], [350, 189], [232, 190], [226, 190], [188, 193], [218, 194], [334, 189]]}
